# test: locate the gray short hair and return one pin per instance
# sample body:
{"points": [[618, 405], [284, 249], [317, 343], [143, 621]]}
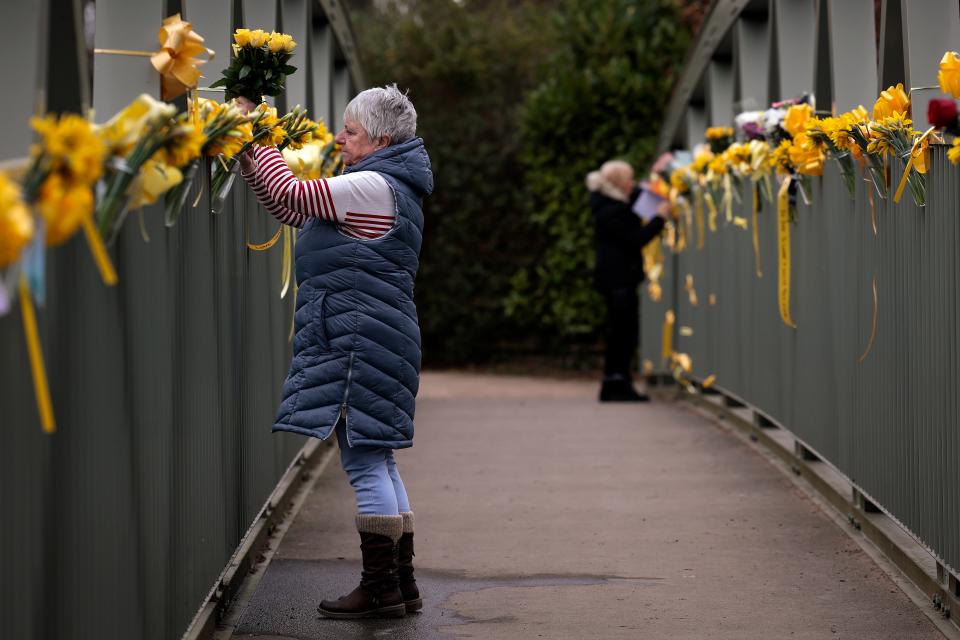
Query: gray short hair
{"points": [[384, 111]]}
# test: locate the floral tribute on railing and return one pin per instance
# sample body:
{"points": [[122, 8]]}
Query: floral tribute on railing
{"points": [[791, 142], [84, 176]]}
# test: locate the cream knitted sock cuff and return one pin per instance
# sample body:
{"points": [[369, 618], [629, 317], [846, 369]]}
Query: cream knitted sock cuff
{"points": [[407, 521], [389, 526]]}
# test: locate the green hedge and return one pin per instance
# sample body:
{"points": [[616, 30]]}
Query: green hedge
{"points": [[515, 108]]}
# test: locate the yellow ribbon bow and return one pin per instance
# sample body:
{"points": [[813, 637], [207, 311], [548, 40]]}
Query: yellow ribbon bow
{"points": [[177, 59]]}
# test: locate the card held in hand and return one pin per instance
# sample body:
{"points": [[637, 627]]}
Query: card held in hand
{"points": [[647, 204]]}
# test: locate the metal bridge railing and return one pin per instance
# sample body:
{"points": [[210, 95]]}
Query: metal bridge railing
{"points": [[890, 422], [165, 386]]}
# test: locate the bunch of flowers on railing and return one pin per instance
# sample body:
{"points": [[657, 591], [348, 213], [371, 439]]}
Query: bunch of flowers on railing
{"points": [[83, 176]]}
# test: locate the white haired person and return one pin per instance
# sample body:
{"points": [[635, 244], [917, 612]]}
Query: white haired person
{"points": [[621, 235], [356, 347]]}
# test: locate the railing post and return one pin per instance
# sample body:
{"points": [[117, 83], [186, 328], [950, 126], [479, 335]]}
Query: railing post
{"points": [[792, 28], [927, 29], [297, 21], [719, 86], [751, 54], [696, 124], [846, 48]]}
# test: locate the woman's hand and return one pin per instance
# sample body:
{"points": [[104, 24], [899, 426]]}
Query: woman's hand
{"points": [[248, 164], [663, 209]]}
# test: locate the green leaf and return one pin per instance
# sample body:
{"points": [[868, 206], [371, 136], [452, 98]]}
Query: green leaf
{"points": [[287, 69], [244, 72]]}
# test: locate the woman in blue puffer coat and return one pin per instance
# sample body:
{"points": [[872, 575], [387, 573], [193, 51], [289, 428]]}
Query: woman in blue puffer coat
{"points": [[356, 362]]}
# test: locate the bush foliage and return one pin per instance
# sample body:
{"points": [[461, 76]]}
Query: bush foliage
{"points": [[517, 100], [603, 99]]}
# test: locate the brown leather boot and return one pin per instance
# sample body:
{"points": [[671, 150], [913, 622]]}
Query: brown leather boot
{"points": [[408, 584], [378, 595]]}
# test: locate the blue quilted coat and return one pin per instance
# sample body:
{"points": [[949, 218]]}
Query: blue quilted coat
{"points": [[356, 346]]}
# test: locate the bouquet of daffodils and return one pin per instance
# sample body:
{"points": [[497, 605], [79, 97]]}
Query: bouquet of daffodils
{"points": [[147, 141], [719, 138], [227, 130], [266, 129], [16, 228], [319, 158], [831, 135], [260, 65], [65, 164]]}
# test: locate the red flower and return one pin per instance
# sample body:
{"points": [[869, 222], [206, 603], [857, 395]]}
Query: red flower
{"points": [[942, 113]]}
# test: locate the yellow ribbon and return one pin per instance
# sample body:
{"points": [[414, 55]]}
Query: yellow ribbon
{"points": [[691, 291], [756, 231], [700, 224], [909, 167], [263, 246], [669, 319], [873, 210], [653, 267], [711, 205], [686, 216], [99, 252], [783, 238], [709, 380], [873, 330], [740, 222], [286, 265], [176, 61], [727, 197], [41, 387]]}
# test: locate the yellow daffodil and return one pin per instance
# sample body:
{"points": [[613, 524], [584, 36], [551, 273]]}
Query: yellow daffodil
{"points": [[242, 37], [796, 118], [701, 160], [230, 143], [155, 179], [185, 145], [63, 205], [69, 144], [949, 74], [780, 158], [891, 102], [953, 154], [719, 133], [805, 156], [718, 165], [677, 180], [16, 224], [266, 118], [123, 130]]}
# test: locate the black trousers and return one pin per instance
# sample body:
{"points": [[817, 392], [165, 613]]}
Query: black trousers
{"points": [[622, 331]]}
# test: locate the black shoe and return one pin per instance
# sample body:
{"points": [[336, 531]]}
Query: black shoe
{"points": [[620, 390]]}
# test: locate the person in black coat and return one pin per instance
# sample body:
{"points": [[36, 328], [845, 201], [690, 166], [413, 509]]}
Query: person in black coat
{"points": [[621, 234]]}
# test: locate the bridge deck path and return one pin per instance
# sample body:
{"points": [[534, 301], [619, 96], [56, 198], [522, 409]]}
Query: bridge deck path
{"points": [[543, 514]]}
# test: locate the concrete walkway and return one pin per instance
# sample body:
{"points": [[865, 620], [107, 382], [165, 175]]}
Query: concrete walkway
{"points": [[543, 514]]}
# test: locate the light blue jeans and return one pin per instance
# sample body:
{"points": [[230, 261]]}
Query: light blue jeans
{"points": [[373, 474]]}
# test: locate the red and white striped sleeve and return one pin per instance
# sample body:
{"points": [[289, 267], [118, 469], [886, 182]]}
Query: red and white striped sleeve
{"points": [[361, 204], [278, 211]]}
